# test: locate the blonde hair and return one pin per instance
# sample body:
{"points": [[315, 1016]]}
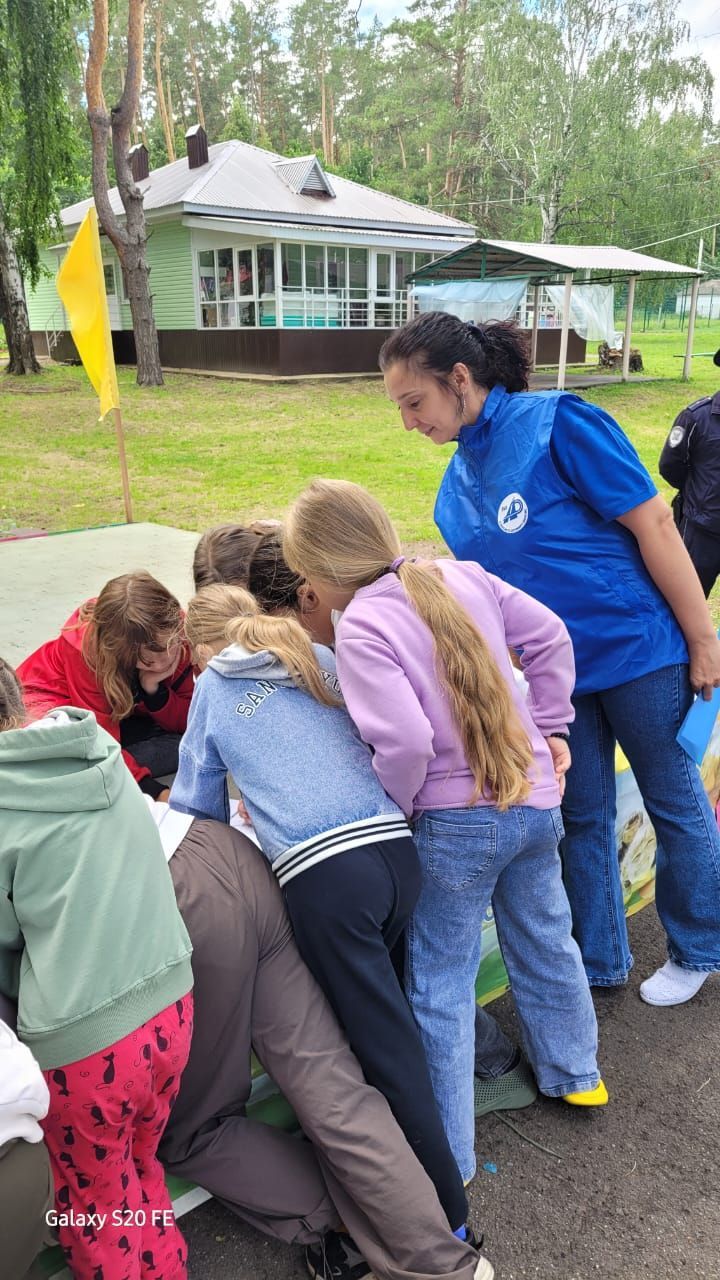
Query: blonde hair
{"points": [[12, 708], [337, 533], [221, 614], [130, 612]]}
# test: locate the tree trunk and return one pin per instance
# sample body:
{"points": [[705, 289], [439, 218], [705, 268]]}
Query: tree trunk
{"points": [[198, 98], [11, 342], [170, 113], [183, 113], [257, 85], [550, 209], [13, 307], [331, 127], [550, 214], [323, 117], [403, 157], [130, 240], [159, 89]]}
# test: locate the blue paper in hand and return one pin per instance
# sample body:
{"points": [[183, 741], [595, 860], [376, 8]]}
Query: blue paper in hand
{"points": [[695, 730]]}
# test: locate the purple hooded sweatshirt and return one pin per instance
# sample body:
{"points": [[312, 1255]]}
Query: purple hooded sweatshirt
{"points": [[386, 668]]}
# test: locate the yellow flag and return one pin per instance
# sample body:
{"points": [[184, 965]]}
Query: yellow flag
{"points": [[81, 285]]}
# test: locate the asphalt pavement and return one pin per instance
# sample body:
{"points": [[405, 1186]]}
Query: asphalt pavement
{"points": [[631, 1191]]}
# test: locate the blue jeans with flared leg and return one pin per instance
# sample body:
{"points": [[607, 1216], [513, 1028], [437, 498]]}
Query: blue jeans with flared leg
{"points": [[468, 857], [644, 716]]}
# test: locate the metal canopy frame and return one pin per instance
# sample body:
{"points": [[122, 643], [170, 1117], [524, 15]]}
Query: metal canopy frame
{"points": [[548, 264]]}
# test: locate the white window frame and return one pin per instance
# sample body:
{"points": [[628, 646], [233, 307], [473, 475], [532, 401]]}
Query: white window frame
{"points": [[254, 299], [316, 308]]}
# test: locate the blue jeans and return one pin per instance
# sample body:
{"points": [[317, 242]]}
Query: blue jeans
{"points": [[469, 856], [644, 716]]}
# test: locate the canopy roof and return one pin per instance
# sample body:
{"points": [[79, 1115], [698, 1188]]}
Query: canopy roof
{"points": [[484, 259]]}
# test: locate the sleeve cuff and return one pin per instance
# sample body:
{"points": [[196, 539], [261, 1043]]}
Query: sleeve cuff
{"points": [[155, 701], [649, 491], [151, 787]]}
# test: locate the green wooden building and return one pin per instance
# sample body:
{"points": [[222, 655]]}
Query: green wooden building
{"points": [[258, 263]]}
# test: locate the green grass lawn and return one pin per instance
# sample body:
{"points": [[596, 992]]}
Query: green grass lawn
{"points": [[201, 450]]}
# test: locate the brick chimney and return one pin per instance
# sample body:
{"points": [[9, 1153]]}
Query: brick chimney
{"points": [[139, 161], [197, 147]]}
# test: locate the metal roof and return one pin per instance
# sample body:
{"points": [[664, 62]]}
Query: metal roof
{"points": [[303, 173], [484, 259], [330, 235], [243, 181]]}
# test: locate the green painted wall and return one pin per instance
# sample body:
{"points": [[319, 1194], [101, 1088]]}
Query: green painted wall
{"points": [[171, 279], [43, 300], [171, 282]]}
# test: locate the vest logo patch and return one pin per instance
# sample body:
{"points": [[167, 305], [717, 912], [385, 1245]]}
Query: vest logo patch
{"points": [[677, 435], [512, 513]]}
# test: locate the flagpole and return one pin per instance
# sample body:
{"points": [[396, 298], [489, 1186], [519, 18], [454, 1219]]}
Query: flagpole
{"points": [[123, 465]]}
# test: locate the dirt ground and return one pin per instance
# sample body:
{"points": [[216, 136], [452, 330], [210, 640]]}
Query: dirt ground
{"points": [[632, 1191]]}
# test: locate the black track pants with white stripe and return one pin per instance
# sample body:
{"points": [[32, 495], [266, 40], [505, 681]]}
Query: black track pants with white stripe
{"points": [[349, 914]]}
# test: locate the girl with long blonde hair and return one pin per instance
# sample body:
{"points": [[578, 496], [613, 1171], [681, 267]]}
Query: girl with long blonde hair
{"points": [[267, 711], [123, 657], [423, 663]]}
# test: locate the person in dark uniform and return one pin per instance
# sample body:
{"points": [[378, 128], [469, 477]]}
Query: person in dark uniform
{"points": [[690, 462]]}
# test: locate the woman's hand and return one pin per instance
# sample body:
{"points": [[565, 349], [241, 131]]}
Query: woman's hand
{"points": [[671, 569], [560, 752], [704, 656]]}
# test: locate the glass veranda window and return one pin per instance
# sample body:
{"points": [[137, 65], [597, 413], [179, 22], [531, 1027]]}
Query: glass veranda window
{"points": [[237, 287], [329, 285]]}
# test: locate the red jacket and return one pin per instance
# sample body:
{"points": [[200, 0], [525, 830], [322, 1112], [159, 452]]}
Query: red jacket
{"points": [[57, 675]]}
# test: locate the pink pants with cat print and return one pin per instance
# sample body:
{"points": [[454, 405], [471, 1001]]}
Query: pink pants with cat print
{"points": [[107, 1114]]}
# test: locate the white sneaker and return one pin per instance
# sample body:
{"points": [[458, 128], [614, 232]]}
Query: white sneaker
{"points": [[484, 1270], [672, 985]]}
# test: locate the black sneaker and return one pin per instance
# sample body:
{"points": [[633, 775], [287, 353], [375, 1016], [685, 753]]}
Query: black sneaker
{"points": [[336, 1257], [475, 1242]]}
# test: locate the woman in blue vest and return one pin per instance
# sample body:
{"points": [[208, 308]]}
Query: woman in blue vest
{"points": [[547, 492]]}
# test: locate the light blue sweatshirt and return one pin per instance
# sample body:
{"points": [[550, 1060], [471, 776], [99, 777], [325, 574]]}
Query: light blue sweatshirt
{"points": [[305, 775]]}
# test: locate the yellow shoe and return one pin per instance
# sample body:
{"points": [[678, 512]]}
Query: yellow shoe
{"points": [[596, 1097]]}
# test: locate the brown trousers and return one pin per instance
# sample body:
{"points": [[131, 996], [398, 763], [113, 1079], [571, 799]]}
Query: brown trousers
{"points": [[26, 1195], [252, 991]]}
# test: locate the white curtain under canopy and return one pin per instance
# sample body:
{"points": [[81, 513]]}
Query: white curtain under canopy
{"points": [[478, 300], [592, 309]]}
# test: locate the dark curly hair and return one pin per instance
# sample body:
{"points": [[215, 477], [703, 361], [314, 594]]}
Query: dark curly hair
{"points": [[269, 579], [496, 354], [222, 554]]}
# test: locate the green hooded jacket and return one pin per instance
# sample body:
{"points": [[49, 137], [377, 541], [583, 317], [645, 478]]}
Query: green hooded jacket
{"points": [[91, 941]]}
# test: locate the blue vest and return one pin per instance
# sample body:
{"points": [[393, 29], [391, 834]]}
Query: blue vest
{"points": [[503, 503]]}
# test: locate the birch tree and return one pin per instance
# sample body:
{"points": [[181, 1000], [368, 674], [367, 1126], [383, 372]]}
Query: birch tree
{"points": [[566, 81]]}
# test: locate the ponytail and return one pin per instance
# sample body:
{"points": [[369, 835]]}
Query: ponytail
{"points": [[12, 708], [336, 532], [221, 615], [496, 746], [434, 342]]}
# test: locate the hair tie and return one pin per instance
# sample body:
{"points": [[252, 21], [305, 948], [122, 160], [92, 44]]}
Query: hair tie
{"points": [[475, 330], [396, 563]]}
